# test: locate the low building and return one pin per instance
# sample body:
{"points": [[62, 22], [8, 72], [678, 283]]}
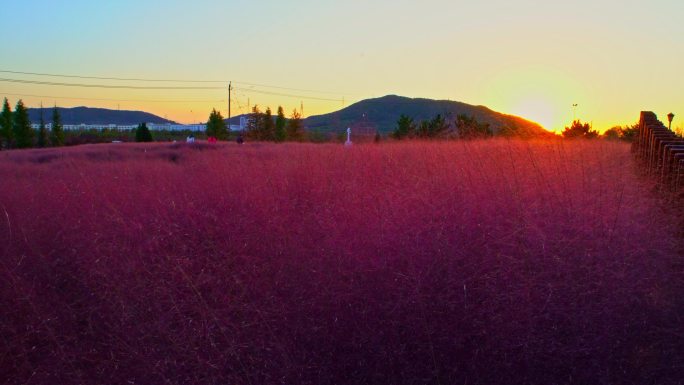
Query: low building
{"points": [[151, 126]]}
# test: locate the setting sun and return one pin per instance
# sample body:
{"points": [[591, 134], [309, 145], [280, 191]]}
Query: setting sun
{"points": [[539, 110], [541, 94]]}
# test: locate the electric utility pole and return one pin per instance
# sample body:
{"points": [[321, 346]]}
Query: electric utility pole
{"points": [[230, 88]]}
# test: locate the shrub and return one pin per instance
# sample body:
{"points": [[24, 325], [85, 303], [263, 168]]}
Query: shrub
{"points": [[142, 133], [579, 130]]}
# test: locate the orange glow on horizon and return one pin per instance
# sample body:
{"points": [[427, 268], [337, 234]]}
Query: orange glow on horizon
{"points": [[538, 110], [543, 95]]}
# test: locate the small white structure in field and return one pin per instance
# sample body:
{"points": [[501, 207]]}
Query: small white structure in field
{"points": [[348, 142]]}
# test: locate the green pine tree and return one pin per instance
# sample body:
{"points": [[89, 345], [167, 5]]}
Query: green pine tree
{"points": [[423, 129], [23, 133], [6, 130], [254, 124], [216, 126], [294, 128], [280, 133], [405, 128], [57, 135], [268, 125], [42, 131], [469, 128], [437, 127], [142, 133]]}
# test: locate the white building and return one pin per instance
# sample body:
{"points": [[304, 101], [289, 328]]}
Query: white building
{"points": [[151, 126]]}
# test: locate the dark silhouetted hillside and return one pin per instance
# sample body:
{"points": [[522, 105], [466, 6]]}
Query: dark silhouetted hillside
{"points": [[382, 114], [88, 115]]}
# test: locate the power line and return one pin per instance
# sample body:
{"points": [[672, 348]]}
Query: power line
{"points": [[116, 100], [21, 81], [112, 78], [170, 81], [249, 89], [289, 95], [106, 85], [289, 88]]}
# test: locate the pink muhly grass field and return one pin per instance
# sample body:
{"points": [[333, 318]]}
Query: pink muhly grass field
{"points": [[478, 262]]}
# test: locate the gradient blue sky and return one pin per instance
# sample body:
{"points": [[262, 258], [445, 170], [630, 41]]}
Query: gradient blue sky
{"points": [[530, 58]]}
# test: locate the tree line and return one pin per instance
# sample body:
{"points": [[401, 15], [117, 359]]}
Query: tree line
{"points": [[463, 127], [467, 127], [263, 126], [579, 130], [16, 130], [626, 133]]}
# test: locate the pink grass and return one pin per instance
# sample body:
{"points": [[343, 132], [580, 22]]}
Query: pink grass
{"points": [[439, 263]]}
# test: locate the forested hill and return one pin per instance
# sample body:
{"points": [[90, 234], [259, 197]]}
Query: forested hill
{"points": [[379, 114], [88, 115], [382, 114]]}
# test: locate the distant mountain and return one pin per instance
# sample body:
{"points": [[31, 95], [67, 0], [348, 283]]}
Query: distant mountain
{"points": [[366, 116], [87, 115], [381, 114]]}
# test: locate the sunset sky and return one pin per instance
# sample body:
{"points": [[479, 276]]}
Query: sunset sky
{"points": [[528, 57]]}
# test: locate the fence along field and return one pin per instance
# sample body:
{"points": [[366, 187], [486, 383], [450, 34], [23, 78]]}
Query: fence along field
{"points": [[661, 151], [479, 262]]}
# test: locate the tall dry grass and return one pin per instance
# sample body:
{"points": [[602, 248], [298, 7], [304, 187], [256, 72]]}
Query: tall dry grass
{"points": [[477, 262]]}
